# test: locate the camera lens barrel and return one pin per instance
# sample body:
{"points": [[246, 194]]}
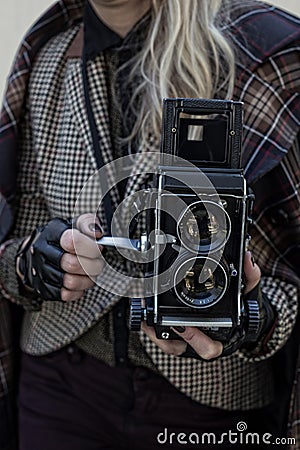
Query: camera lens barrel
{"points": [[199, 281], [204, 227]]}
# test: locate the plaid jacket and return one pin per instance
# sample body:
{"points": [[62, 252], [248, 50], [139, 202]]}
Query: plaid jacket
{"points": [[268, 78]]}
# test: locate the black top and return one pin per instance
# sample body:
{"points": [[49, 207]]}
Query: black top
{"points": [[97, 36]]}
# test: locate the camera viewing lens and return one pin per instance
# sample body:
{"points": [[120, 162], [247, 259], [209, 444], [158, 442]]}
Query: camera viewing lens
{"points": [[204, 227], [200, 282], [201, 226]]}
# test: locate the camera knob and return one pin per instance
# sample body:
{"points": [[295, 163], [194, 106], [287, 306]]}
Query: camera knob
{"points": [[253, 320], [136, 314]]}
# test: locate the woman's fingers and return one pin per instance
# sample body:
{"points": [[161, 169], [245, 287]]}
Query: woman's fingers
{"points": [[77, 243], [203, 345], [82, 261], [77, 282], [70, 296], [81, 265], [89, 224], [252, 272], [171, 347]]}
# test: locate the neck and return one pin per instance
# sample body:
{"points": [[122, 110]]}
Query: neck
{"points": [[120, 15]]}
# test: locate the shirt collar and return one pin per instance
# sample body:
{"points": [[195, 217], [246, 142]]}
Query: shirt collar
{"points": [[97, 36]]}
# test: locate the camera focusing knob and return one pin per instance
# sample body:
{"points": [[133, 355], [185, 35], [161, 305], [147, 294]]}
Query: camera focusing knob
{"points": [[136, 314], [253, 320]]}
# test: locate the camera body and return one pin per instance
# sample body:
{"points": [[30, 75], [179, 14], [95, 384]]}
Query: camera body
{"points": [[199, 215]]}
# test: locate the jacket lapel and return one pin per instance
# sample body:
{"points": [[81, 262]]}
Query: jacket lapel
{"points": [[74, 88]]}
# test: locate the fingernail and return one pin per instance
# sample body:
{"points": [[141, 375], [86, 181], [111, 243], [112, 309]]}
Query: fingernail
{"points": [[94, 227], [179, 329]]}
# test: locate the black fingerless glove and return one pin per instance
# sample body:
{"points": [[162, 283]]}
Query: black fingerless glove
{"points": [[38, 262], [259, 317]]}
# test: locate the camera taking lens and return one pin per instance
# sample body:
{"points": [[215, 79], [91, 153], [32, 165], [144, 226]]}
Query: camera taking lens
{"points": [[200, 282]]}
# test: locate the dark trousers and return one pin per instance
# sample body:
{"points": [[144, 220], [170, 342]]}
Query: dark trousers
{"points": [[71, 401]]}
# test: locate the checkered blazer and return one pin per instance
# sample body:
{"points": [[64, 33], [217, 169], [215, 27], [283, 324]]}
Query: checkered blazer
{"points": [[55, 158]]}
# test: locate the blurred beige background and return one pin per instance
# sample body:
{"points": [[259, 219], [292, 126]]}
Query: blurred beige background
{"points": [[17, 15]]}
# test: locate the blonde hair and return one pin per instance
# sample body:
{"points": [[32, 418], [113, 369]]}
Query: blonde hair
{"points": [[184, 55]]}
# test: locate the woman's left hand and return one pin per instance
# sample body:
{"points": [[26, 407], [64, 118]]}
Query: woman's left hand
{"points": [[202, 344]]}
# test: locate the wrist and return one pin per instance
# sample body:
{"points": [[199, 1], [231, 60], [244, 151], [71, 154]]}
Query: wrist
{"points": [[21, 268]]}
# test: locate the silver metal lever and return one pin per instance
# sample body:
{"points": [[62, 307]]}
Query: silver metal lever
{"points": [[120, 242], [137, 245]]}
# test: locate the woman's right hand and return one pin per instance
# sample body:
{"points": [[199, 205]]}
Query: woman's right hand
{"points": [[60, 260]]}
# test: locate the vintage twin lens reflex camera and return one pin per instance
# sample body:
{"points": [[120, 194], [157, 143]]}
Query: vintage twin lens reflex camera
{"points": [[200, 213]]}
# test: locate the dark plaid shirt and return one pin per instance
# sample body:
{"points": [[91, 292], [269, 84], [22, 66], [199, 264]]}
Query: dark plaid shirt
{"points": [[271, 147]]}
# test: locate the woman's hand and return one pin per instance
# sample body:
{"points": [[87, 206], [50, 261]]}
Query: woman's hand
{"points": [[203, 345], [60, 260]]}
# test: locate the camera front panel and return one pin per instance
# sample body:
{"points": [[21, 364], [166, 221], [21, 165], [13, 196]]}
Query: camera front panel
{"points": [[201, 270]]}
